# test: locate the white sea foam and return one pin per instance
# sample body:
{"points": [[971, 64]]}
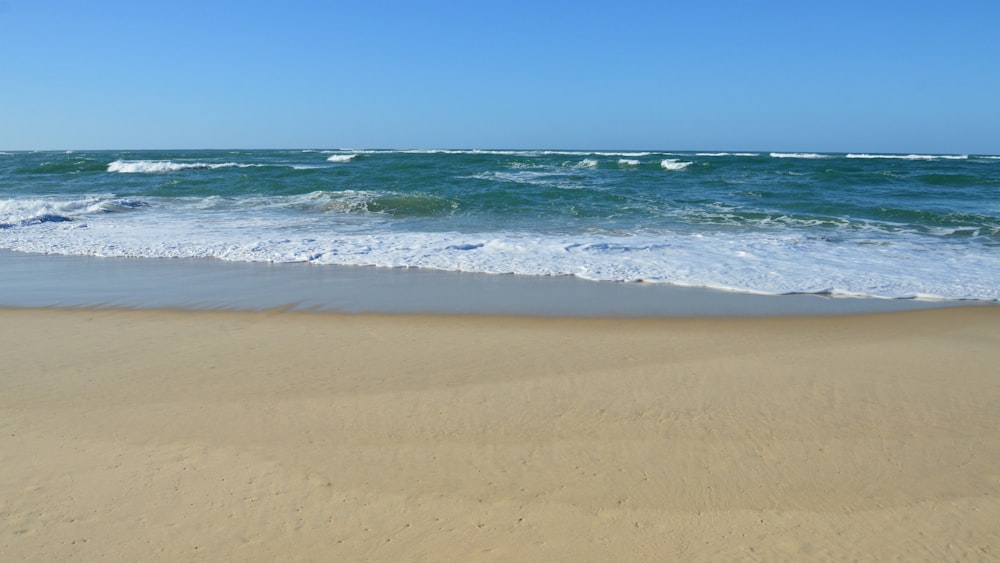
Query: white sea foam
{"points": [[674, 164], [909, 156], [537, 177], [737, 261], [892, 156], [164, 166], [628, 162], [587, 163], [713, 154], [797, 155], [472, 151], [19, 212], [341, 157], [496, 152]]}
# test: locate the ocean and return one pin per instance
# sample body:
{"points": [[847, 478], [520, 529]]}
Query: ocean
{"points": [[869, 225]]}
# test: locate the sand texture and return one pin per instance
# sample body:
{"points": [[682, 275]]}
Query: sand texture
{"points": [[160, 435]]}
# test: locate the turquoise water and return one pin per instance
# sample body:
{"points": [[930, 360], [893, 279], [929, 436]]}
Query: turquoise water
{"points": [[895, 226]]}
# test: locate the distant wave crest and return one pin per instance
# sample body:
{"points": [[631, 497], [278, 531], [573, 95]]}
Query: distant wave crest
{"points": [[909, 156], [726, 154], [165, 166], [797, 155]]}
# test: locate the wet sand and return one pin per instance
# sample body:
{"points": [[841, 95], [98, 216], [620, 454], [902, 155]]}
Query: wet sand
{"points": [[32, 280]]}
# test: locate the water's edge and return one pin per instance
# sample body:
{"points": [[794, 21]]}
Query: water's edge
{"points": [[33, 280]]}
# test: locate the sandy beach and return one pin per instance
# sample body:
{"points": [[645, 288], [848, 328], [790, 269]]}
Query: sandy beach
{"points": [[276, 435]]}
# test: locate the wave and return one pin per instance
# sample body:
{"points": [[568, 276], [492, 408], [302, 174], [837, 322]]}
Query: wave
{"points": [[392, 203], [544, 177], [908, 156], [27, 212], [674, 164], [165, 166], [76, 165], [492, 152], [587, 163], [35, 220], [628, 162], [724, 260], [797, 155], [341, 157], [495, 152]]}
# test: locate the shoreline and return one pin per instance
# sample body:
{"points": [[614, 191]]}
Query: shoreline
{"points": [[31, 280], [163, 435]]}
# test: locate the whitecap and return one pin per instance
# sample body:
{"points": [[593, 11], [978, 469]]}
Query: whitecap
{"points": [[892, 156], [165, 166], [341, 157], [522, 176], [674, 164], [628, 162], [797, 155], [20, 212]]}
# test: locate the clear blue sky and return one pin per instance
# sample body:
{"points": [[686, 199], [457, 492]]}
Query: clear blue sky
{"points": [[887, 76]]}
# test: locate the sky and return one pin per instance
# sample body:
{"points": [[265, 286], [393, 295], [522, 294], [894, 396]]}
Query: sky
{"points": [[846, 76]]}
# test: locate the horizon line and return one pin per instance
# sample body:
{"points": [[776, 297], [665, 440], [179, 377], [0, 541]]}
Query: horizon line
{"points": [[734, 152]]}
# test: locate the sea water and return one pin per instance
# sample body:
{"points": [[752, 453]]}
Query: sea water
{"points": [[875, 225]]}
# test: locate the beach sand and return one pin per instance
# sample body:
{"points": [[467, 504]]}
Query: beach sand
{"points": [[276, 435]]}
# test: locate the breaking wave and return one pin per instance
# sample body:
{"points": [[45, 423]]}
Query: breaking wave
{"points": [[165, 166], [798, 155], [674, 164], [341, 157], [908, 156]]}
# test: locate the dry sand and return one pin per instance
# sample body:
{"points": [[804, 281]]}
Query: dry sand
{"points": [[158, 435]]}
